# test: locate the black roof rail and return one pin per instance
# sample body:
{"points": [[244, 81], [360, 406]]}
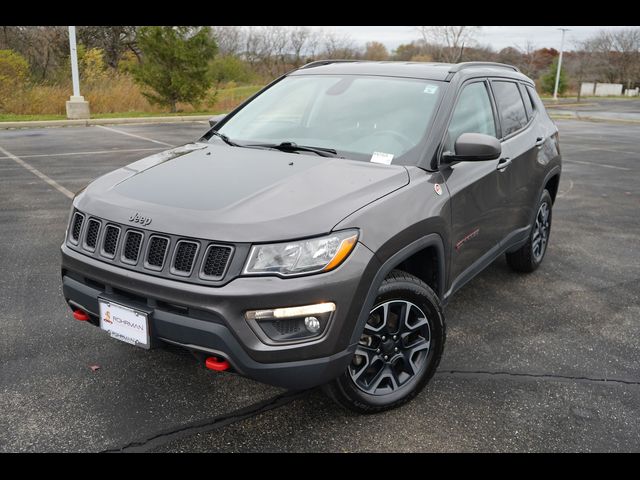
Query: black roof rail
{"points": [[461, 66], [319, 63]]}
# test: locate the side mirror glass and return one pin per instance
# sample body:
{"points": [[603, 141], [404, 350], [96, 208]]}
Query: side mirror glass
{"points": [[213, 121]]}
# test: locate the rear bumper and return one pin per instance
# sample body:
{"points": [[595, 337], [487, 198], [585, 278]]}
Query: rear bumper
{"points": [[211, 319]]}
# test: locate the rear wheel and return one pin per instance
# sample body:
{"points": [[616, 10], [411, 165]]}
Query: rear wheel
{"points": [[399, 350], [529, 257]]}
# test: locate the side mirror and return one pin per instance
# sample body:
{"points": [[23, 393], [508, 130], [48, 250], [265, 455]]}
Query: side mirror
{"points": [[213, 121], [474, 147]]}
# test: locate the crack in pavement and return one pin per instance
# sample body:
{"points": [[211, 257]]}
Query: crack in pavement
{"points": [[207, 425], [534, 376]]}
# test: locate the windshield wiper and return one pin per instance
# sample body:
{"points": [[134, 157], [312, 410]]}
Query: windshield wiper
{"points": [[294, 147], [224, 138]]}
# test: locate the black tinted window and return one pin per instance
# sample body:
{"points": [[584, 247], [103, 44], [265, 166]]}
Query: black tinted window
{"points": [[528, 103], [473, 114], [512, 113]]}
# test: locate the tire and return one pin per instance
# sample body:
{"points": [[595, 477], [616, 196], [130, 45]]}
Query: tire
{"points": [[413, 354], [529, 257]]}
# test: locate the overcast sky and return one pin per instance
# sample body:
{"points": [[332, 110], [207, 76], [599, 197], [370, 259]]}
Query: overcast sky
{"points": [[497, 37]]}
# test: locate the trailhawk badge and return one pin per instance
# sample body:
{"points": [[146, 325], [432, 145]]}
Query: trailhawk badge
{"points": [[137, 218]]}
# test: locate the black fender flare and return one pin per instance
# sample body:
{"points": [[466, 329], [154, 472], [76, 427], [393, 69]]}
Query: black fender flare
{"points": [[557, 170], [431, 240]]}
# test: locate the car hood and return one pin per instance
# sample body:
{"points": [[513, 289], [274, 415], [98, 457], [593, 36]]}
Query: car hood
{"points": [[239, 194]]}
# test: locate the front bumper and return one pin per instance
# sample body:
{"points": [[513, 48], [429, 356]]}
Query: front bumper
{"points": [[211, 319]]}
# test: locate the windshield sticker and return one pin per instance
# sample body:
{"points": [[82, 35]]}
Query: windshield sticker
{"points": [[380, 157], [431, 89]]}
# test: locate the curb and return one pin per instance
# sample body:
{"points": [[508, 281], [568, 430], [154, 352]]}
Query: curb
{"points": [[574, 104], [589, 118], [104, 121]]}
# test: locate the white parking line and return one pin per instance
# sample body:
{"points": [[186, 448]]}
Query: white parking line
{"points": [[37, 173], [595, 164], [97, 152], [562, 194], [134, 135]]}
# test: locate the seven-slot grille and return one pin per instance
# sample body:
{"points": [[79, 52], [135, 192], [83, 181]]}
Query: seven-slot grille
{"points": [[215, 261], [93, 229], [157, 251], [146, 251], [185, 255]]}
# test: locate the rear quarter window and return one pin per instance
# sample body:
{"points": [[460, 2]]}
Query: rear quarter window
{"points": [[528, 101], [511, 108]]}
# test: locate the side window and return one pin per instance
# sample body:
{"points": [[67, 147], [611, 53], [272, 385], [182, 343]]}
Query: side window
{"points": [[528, 103], [510, 107], [537, 103], [472, 114]]}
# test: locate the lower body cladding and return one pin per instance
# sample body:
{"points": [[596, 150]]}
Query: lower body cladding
{"points": [[237, 322]]}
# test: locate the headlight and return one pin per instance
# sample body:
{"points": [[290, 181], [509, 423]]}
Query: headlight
{"points": [[302, 256]]}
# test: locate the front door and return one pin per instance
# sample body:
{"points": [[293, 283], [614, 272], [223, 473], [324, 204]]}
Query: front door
{"points": [[477, 195]]}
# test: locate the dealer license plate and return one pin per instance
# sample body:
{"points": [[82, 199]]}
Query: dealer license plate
{"points": [[124, 323]]}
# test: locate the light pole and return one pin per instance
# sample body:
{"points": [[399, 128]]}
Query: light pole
{"points": [[555, 89], [77, 107]]}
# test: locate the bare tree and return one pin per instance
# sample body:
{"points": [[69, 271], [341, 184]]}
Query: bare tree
{"points": [[339, 46], [625, 45], [449, 41], [614, 56], [230, 40], [45, 48], [303, 42], [114, 41]]}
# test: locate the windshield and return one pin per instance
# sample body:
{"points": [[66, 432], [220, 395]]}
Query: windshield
{"points": [[360, 117]]}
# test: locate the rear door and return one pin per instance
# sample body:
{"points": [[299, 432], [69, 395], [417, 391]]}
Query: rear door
{"points": [[520, 142]]}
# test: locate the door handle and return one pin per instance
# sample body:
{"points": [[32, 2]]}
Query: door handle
{"points": [[540, 141], [503, 163]]}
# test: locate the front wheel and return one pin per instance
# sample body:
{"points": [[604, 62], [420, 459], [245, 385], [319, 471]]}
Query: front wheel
{"points": [[529, 257], [399, 350]]}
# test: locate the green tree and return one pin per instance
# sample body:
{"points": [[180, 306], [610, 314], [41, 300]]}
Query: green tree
{"points": [[548, 80], [14, 71], [230, 69], [175, 64]]}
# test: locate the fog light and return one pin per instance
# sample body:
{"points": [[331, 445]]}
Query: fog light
{"points": [[312, 324], [288, 324]]}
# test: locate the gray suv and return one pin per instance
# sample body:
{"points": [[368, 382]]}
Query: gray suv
{"points": [[314, 234]]}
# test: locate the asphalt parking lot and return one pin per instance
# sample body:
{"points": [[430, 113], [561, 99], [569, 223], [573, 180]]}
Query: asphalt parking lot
{"points": [[541, 362]]}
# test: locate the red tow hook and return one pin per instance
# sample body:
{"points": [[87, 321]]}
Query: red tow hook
{"points": [[217, 364], [80, 315]]}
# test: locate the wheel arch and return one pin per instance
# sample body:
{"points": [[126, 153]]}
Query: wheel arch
{"points": [[430, 248], [552, 183]]}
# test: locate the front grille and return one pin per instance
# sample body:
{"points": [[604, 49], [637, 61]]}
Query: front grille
{"points": [[111, 235], [78, 219], [193, 260], [157, 251], [132, 243], [216, 260], [93, 229], [184, 257]]}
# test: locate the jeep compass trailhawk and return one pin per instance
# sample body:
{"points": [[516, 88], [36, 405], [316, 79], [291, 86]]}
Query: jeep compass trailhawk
{"points": [[312, 236]]}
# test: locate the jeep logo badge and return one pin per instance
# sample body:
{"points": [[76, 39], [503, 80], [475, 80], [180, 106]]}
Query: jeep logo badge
{"points": [[137, 218]]}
